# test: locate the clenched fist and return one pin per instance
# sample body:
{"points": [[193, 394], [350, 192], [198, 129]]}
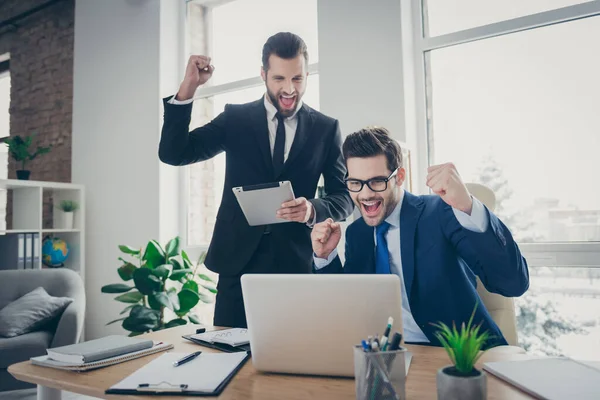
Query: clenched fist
{"points": [[325, 237], [445, 181], [197, 72]]}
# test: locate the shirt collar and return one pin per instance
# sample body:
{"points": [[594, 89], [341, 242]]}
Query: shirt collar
{"points": [[394, 218], [272, 111]]}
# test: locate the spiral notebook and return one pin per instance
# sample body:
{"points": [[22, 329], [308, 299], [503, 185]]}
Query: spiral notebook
{"points": [[46, 361]]}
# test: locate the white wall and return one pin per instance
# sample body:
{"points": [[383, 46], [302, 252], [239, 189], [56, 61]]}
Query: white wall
{"points": [[360, 64], [116, 127]]}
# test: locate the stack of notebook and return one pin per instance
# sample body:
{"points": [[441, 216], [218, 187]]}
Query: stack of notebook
{"points": [[99, 353]]}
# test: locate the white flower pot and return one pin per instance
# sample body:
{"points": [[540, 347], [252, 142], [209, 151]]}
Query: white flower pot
{"points": [[453, 387], [66, 220]]}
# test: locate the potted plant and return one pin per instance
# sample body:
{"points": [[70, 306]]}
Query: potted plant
{"points": [[166, 287], [68, 208], [18, 148], [461, 381]]}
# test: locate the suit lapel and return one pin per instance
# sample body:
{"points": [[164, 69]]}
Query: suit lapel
{"points": [[261, 133], [303, 130], [412, 206]]}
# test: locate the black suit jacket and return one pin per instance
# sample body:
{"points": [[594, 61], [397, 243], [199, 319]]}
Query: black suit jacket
{"points": [[242, 132]]}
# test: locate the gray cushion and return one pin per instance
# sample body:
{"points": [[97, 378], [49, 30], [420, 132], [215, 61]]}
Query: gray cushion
{"points": [[30, 312], [22, 348]]}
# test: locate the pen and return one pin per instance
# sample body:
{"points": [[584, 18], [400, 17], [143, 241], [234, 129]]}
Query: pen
{"points": [[384, 338], [187, 358]]}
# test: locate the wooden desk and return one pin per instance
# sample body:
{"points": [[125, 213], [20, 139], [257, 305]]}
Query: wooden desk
{"points": [[251, 384]]}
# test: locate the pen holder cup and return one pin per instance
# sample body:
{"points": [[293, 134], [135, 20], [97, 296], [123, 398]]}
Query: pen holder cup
{"points": [[380, 375]]}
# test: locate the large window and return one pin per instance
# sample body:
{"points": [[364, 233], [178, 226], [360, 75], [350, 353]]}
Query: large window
{"points": [[508, 92], [4, 132], [237, 60]]}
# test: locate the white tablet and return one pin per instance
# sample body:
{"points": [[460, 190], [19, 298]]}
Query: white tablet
{"points": [[261, 202]]}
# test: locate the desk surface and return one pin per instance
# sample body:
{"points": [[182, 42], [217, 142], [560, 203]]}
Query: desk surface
{"points": [[251, 384]]}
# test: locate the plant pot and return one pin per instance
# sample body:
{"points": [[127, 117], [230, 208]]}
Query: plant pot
{"points": [[23, 174], [451, 386], [66, 220]]}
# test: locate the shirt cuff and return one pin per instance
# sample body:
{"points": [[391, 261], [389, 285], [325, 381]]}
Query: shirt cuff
{"points": [[312, 221], [173, 100], [323, 262], [476, 222]]}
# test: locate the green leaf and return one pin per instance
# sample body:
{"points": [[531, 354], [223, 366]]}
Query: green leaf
{"points": [[201, 258], [175, 322], [131, 297], [126, 271], [206, 278], [132, 334], [165, 300], [187, 300], [145, 282], [194, 318], [153, 302], [154, 254], [174, 300], [162, 271], [116, 320], [209, 288], [179, 274], [141, 319], [129, 250], [186, 259], [205, 299], [173, 247], [127, 309], [191, 285], [174, 261], [116, 288]]}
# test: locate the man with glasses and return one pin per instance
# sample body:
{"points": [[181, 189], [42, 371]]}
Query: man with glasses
{"points": [[436, 244]]}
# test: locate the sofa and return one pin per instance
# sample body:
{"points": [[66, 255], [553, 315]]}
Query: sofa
{"points": [[64, 329]]}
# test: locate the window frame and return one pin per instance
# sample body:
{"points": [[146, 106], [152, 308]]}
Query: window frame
{"points": [[543, 254], [194, 251]]}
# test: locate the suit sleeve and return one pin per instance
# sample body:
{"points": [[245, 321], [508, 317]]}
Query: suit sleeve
{"points": [[492, 255], [336, 204], [179, 146]]}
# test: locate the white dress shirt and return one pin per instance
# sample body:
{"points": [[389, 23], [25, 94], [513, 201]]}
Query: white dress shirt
{"points": [[476, 222]]}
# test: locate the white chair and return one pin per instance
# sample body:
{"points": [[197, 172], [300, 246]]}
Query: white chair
{"points": [[502, 309]]}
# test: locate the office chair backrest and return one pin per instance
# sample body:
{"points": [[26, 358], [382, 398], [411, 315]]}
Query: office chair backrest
{"points": [[502, 309]]}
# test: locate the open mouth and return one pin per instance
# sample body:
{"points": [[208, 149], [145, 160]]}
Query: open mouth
{"points": [[287, 102], [371, 208]]}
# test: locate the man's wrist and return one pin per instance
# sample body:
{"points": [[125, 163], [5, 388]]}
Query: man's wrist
{"points": [[185, 93]]}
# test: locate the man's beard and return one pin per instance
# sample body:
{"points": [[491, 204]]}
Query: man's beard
{"points": [[275, 101]]}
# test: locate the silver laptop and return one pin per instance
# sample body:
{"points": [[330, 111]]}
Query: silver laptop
{"points": [[309, 324]]}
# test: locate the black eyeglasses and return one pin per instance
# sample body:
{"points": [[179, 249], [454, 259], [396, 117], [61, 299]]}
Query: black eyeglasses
{"points": [[375, 184]]}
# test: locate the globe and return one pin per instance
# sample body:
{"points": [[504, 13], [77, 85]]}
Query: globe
{"points": [[55, 252]]}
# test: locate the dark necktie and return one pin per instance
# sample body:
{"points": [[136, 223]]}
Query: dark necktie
{"points": [[382, 259], [279, 148]]}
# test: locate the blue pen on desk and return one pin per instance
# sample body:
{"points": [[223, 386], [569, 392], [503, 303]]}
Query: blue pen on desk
{"points": [[187, 358]]}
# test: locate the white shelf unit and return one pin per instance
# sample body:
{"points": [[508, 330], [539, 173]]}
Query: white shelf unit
{"points": [[28, 221]]}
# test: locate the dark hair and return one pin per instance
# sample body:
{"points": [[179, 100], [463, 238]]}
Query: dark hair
{"points": [[285, 45], [371, 142]]}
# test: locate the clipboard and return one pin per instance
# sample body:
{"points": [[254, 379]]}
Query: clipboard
{"points": [[206, 375], [218, 346], [260, 203]]}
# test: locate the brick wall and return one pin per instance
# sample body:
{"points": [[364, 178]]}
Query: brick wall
{"points": [[41, 68]]}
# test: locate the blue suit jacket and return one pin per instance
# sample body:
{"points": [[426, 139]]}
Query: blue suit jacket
{"points": [[440, 259]]}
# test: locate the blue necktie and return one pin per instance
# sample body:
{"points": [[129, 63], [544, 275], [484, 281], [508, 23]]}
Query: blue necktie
{"points": [[382, 257]]}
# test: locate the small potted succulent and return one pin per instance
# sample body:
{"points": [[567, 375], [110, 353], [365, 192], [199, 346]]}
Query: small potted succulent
{"points": [[68, 208], [461, 380], [18, 148]]}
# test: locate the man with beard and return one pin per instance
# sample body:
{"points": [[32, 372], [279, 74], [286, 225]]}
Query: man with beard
{"points": [[437, 244], [275, 138]]}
